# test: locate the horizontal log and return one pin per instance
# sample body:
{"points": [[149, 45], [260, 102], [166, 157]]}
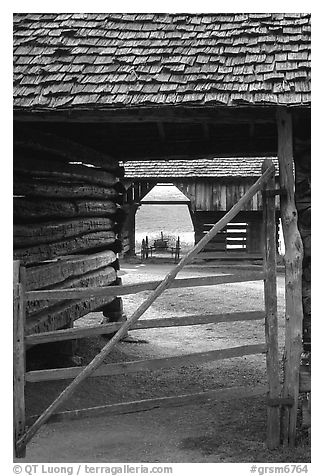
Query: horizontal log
{"points": [[62, 147], [60, 171], [142, 114], [61, 314], [46, 189], [146, 286], [210, 396], [64, 268], [47, 251], [101, 277], [146, 365], [49, 232], [81, 332], [26, 210]]}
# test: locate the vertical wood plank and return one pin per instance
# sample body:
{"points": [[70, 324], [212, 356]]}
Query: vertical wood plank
{"points": [[270, 300], [293, 275], [18, 358], [223, 198]]}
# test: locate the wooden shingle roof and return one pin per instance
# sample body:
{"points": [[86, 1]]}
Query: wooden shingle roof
{"points": [[191, 169], [104, 60]]}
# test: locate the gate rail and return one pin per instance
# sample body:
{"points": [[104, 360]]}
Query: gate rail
{"points": [[22, 435]]}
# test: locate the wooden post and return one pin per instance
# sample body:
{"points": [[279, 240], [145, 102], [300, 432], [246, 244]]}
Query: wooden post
{"points": [[164, 284], [131, 228], [18, 358], [293, 275], [270, 301]]}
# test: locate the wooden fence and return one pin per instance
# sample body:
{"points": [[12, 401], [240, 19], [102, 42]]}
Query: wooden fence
{"points": [[24, 429]]}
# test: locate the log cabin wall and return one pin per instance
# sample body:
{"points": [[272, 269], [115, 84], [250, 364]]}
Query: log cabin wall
{"points": [[67, 220]]}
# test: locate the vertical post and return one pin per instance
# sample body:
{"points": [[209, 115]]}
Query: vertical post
{"points": [[293, 275], [270, 300], [131, 228], [18, 357]]}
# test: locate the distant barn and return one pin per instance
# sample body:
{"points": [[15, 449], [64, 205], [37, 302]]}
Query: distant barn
{"points": [[213, 186]]}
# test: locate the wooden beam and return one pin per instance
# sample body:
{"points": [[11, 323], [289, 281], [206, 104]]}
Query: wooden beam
{"points": [[18, 358], [164, 202], [145, 365], [293, 277], [270, 301], [33, 234], [58, 171], [60, 314], [62, 147], [46, 251], [98, 360], [27, 210], [95, 278], [47, 189], [210, 396], [79, 293], [193, 320], [196, 114], [64, 268]]}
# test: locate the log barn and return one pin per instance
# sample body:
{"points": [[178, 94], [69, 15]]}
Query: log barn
{"points": [[94, 90], [213, 186]]}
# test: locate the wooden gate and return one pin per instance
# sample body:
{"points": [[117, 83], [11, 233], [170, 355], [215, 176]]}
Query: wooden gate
{"points": [[24, 430]]}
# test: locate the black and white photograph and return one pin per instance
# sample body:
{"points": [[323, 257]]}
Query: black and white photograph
{"points": [[161, 240]]}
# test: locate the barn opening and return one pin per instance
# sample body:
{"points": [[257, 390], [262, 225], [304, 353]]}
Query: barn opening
{"points": [[164, 210]]}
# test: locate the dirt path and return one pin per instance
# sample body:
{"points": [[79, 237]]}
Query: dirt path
{"points": [[215, 432]]}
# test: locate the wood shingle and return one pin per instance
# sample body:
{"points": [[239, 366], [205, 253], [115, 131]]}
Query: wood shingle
{"points": [[170, 49]]}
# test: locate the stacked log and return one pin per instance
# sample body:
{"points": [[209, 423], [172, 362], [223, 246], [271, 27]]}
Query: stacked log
{"points": [[63, 208], [70, 272], [302, 160], [67, 215]]}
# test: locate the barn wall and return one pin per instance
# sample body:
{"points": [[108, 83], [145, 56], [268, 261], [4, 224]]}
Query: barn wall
{"points": [[252, 238], [220, 194], [66, 223]]}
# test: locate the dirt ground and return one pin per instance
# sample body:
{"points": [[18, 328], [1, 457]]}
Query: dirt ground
{"points": [[231, 431]]}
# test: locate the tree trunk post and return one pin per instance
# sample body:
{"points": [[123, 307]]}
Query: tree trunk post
{"points": [[293, 275], [270, 300]]}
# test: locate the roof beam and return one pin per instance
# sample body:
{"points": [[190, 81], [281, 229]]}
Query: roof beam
{"points": [[215, 114]]}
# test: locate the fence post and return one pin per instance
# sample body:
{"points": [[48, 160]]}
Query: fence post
{"points": [[18, 357], [293, 276], [270, 301]]}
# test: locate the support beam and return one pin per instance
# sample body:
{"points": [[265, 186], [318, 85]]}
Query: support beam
{"points": [[293, 278], [270, 300], [130, 227]]}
